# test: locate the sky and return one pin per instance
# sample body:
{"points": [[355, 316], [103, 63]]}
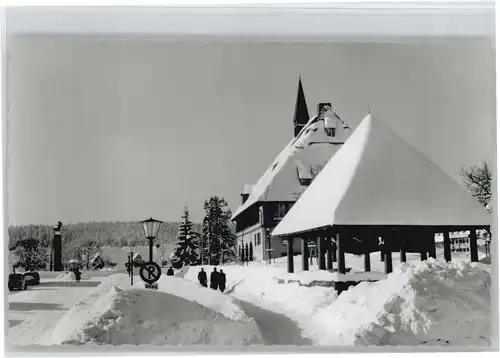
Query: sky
{"points": [[112, 129]]}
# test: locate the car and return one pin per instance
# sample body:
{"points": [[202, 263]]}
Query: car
{"points": [[32, 278], [17, 281]]}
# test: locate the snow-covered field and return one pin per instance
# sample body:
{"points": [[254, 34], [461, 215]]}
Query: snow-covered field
{"points": [[116, 314], [430, 302]]}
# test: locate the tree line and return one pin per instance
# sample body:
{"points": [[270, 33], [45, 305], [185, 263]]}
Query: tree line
{"points": [[31, 243]]}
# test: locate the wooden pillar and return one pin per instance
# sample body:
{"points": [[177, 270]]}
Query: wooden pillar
{"points": [[402, 251], [432, 245], [329, 254], [423, 255], [305, 254], [473, 245], [388, 251], [290, 254], [367, 262], [321, 253], [334, 249], [447, 245], [382, 250], [340, 255]]}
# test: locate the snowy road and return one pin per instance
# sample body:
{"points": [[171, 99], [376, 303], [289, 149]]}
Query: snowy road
{"points": [[276, 328], [33, 313]]}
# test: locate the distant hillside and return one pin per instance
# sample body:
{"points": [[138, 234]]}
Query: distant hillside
{"points": [[102, 233]]}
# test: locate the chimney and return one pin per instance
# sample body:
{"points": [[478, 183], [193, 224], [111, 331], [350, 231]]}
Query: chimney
{"points": [[244, 197], [321, 105]]}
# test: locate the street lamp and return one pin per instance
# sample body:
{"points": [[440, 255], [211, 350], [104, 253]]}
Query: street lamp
{"points": [[151, 228]]}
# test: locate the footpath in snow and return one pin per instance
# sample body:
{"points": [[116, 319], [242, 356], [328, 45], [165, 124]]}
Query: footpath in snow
{"points": [[179, 313], [420, 303]]}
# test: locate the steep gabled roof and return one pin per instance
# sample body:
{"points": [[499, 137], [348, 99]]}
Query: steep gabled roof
{"points": [[310, 150], [378, 178]]}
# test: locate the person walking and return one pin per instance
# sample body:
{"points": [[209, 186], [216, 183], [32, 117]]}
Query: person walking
{"points": [[170, 271], [214, 279], [222, 281], [78, 275], [202, 277]]}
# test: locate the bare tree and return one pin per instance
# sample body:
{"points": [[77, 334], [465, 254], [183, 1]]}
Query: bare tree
{"points": [[477, 181]]}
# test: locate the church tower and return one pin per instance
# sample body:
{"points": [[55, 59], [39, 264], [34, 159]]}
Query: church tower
{"points": [[301, 115]]}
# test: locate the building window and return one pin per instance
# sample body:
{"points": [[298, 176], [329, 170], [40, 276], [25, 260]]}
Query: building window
{"points": [[330, 132]]}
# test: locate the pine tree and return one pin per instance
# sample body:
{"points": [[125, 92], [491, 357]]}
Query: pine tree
{"points": [[185, 252], [217, 239], [32, 255]]}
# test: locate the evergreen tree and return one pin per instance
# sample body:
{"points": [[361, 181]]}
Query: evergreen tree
{"points": [[217, 239], [185, 252], [32, 255]]}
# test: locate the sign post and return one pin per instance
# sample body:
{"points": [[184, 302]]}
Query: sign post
{"points": [[150, 272]]}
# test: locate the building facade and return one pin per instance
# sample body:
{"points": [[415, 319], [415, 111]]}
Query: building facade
{"points": [[315, 140]]}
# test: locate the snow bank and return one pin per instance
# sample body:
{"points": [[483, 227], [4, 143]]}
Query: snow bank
{"points": [[116, 314], [258, 285], [214, 300], [431, 303]]}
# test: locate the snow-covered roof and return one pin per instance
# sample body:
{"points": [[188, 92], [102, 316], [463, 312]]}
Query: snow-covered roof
{"points": [[247, 189], [378, 178], [309, 151]]}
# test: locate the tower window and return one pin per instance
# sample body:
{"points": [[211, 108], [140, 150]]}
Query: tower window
{"points": [[330, 132]]}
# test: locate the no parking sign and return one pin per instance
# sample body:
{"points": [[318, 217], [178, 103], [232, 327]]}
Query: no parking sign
{"points": [[150, 272]]}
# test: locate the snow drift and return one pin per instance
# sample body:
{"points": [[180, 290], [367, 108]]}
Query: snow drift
{"points": [[116, 314], [421, 303], [431, 303], [211, 299]]}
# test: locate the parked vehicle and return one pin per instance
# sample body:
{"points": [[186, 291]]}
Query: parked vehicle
{"points": [[32, 278], [16, 281]]}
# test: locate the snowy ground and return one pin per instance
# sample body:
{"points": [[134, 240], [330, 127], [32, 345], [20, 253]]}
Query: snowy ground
{"points": [[117, 314], [420, 303], [429, 303], [34, 313]]}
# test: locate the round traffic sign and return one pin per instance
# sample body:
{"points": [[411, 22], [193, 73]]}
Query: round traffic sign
{"points": [[150, 272]]}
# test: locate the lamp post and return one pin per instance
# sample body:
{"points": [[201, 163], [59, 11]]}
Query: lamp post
{"points": [[151, 228]]}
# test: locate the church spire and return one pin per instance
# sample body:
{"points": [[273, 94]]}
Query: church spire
{"points": [[301, 115]]}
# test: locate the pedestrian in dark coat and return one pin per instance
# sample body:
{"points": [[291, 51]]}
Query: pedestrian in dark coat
{"points": [[78, 275], [214, 279], [222, 281], [202, 277], [170, 271]]}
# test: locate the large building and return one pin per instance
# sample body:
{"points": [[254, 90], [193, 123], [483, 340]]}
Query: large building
{"points": [[265, 203]]}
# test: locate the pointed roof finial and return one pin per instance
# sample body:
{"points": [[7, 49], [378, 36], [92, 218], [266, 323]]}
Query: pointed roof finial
{"points": [[301, 115], [369, 109]]}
